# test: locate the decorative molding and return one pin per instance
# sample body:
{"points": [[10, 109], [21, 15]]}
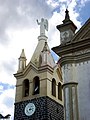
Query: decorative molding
{"points": [[76, 57], [82, 52], [36, 69]]}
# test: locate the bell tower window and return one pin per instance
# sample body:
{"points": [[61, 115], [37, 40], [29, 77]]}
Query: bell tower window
{"points": [[59, 91], [26, 88], [53, 87], [36, 85]]}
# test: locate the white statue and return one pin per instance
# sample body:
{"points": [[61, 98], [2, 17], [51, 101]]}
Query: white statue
{"points": [[43, 25]]}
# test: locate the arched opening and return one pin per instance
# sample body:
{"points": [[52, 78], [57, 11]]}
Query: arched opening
{"points": [[26, 88], [59, 91], [53, 87], [36, 85]]}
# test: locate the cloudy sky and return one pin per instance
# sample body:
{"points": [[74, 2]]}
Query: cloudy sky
{"points": [[19, 29]]}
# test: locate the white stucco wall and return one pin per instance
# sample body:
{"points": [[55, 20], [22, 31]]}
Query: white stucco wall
{"points": [[80, 72]]}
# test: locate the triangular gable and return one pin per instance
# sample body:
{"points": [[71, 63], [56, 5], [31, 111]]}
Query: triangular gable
{"points": [[83, 33], [28, 68]]}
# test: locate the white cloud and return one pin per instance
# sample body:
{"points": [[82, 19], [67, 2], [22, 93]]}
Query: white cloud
{"points": [[7, 78], [1, 89], [74, 14], [7, 102], [52, 3], [54, 35], [83, 2], [25, 38]]}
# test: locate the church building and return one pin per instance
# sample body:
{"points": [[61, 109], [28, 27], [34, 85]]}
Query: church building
{"points": [[74, 53], [46, 90], [39, 84]]}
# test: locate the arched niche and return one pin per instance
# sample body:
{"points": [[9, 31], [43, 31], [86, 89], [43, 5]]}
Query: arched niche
{"points": [[36, 85], [54, 87], [59, 91], [25, 88]]}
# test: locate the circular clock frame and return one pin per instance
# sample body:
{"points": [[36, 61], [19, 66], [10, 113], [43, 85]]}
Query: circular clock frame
{"points": [[29, 109]]}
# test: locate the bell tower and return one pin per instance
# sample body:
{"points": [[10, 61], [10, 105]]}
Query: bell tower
{"points": [[39, 84]]}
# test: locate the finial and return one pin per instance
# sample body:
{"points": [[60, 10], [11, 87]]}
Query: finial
{"points": [[23, 54], [43, 25], [22, 61], [67, 17]]}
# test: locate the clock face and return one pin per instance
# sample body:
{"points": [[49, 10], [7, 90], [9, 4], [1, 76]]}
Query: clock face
{"points": [[64, 35], [29, 109]]}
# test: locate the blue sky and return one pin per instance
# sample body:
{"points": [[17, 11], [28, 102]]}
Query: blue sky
{"points": [[84, 13], [18, 30]]}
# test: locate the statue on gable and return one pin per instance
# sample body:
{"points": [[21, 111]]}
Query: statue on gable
{"points": [[43, 25]]}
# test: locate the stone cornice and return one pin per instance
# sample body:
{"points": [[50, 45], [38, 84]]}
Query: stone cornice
{"points": [[76, 57], [72, 47], [69, 24], [70, 83]]}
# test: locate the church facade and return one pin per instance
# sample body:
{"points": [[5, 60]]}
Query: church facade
{"points": [[74, 53], [49, 91]]}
